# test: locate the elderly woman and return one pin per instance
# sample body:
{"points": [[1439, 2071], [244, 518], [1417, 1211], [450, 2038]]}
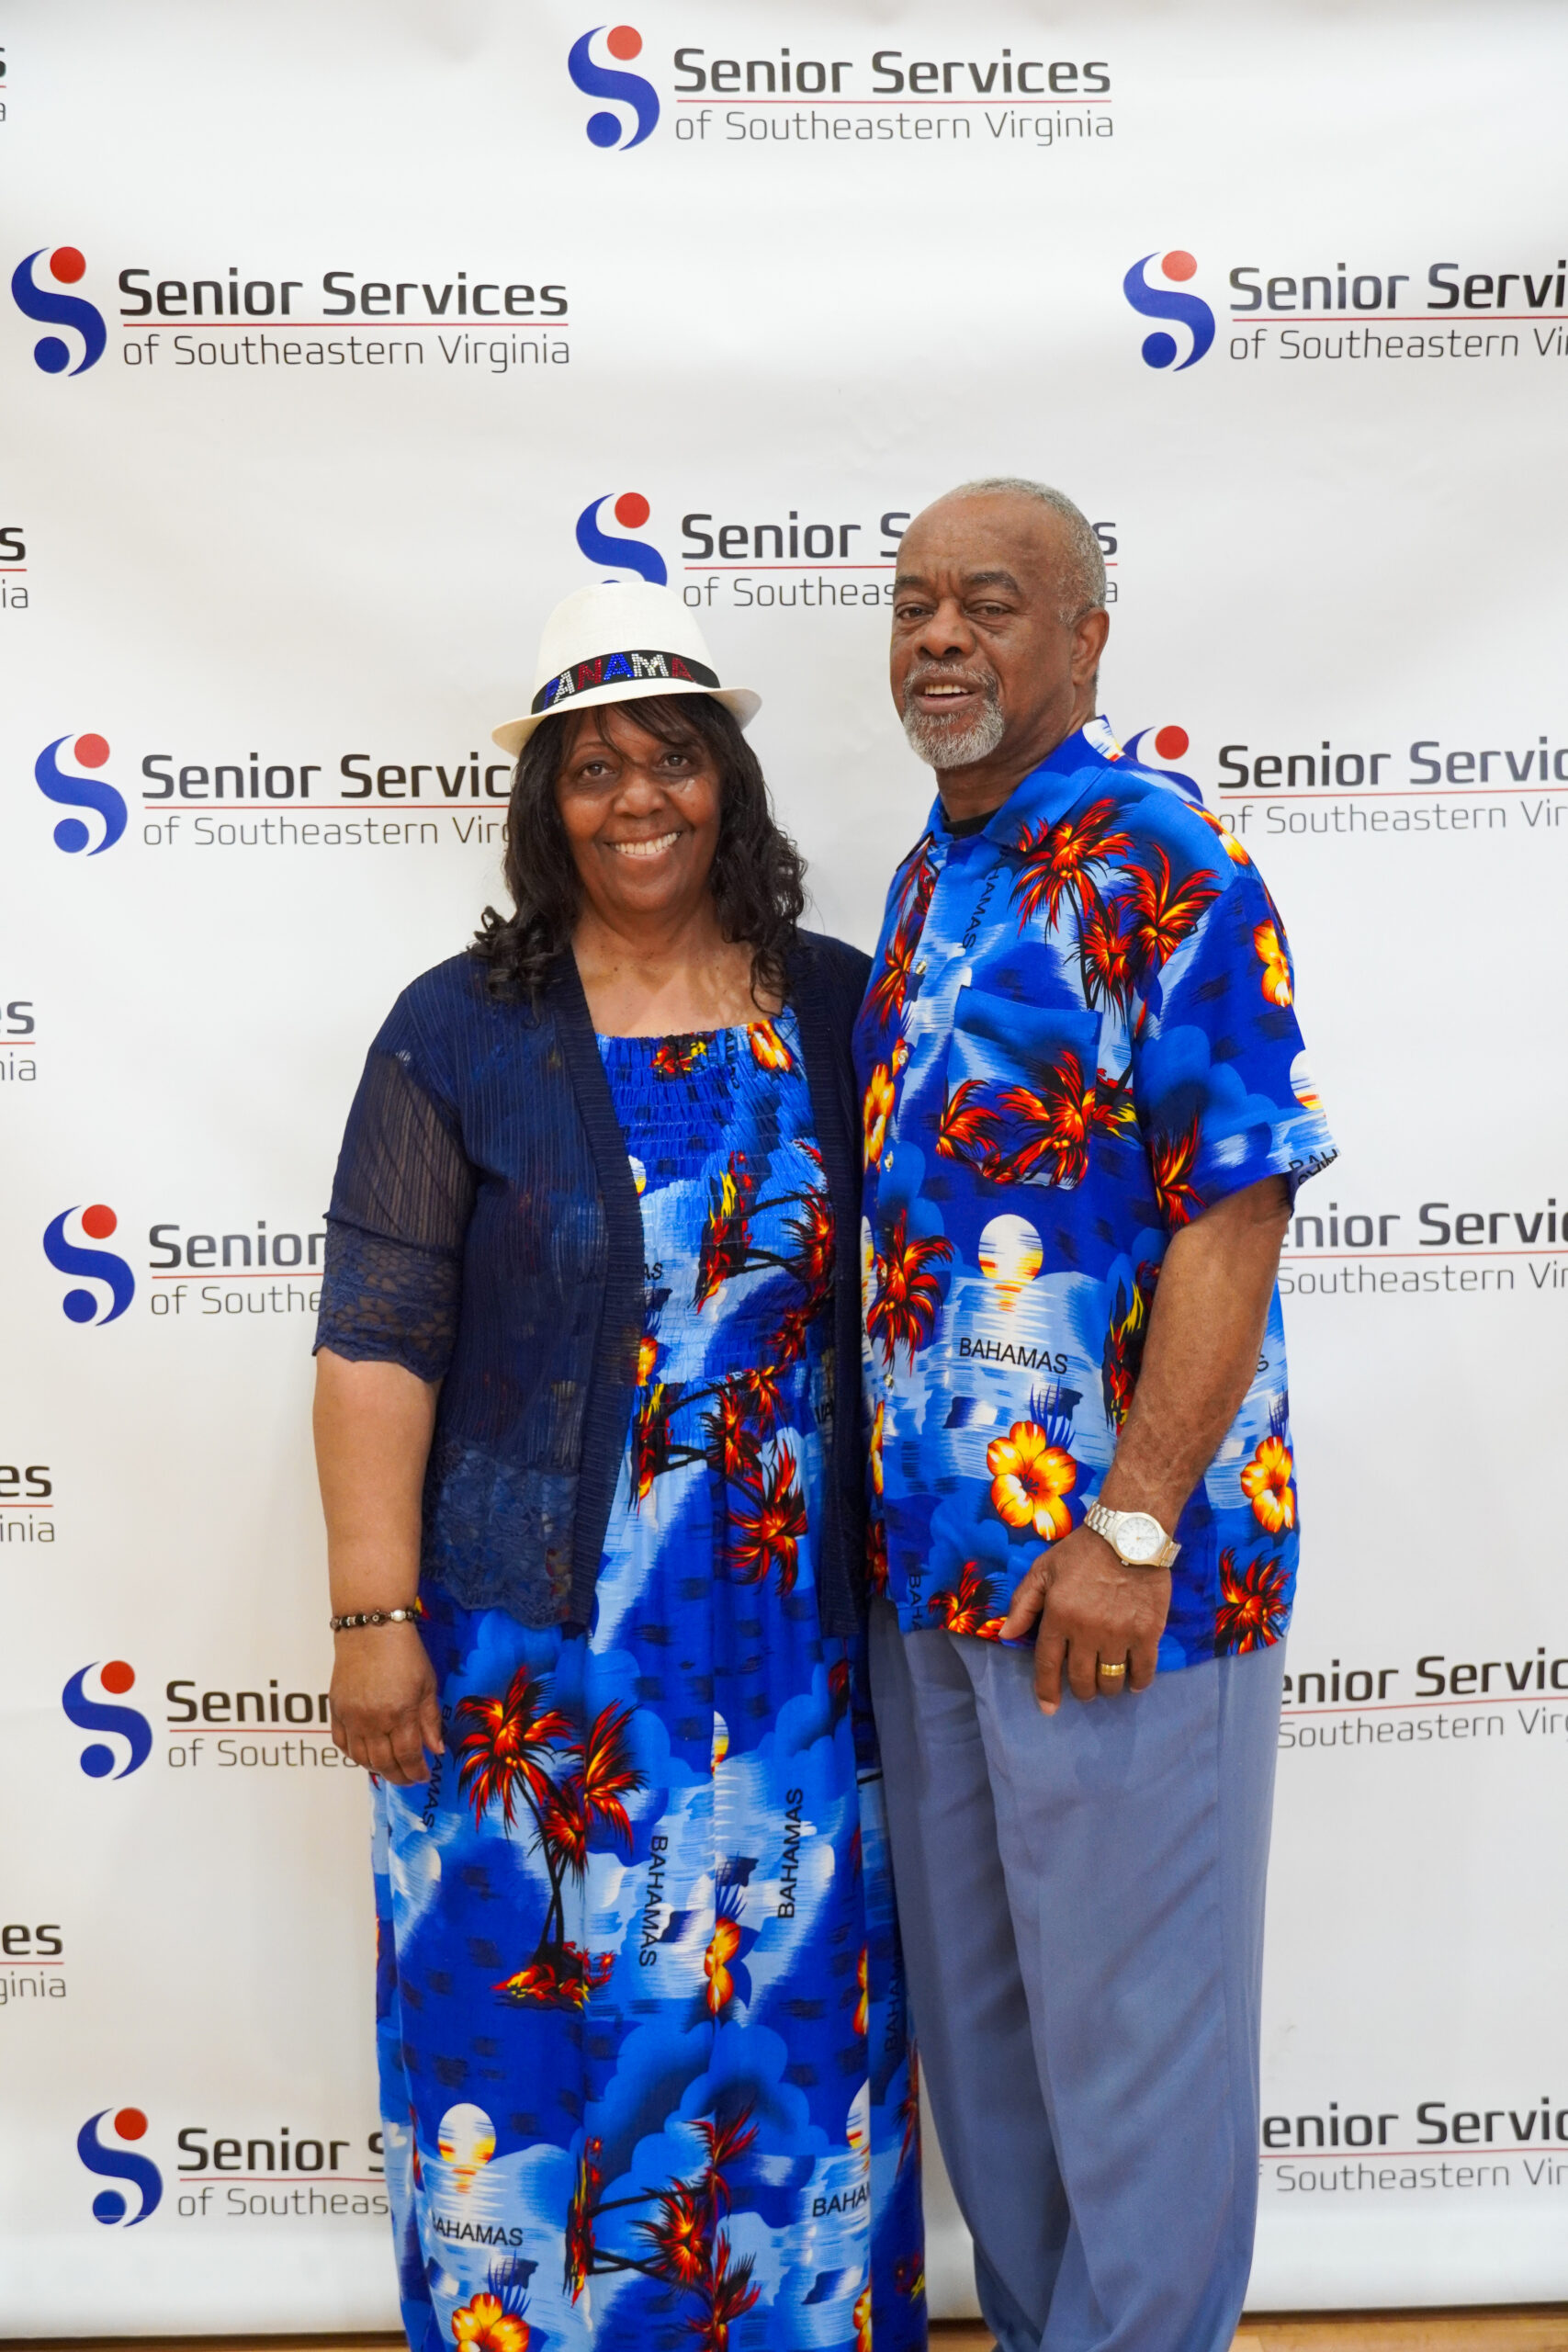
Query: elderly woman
{"points": [[590, 1453]]}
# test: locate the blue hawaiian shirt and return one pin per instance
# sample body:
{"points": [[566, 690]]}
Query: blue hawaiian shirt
{"points": [[1079, 1034]]}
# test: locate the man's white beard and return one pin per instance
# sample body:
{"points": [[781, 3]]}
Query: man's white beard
{"points": [[941, 745]]}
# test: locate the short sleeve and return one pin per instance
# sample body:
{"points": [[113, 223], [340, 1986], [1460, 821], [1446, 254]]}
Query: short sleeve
{"points": [[401, 1200], [1220, 1076]]}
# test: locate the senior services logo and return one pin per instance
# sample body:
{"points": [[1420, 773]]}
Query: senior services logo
{"points": [[631, 510], [80, 791], [605, 130], [103, 1267], [52, 351], [112, 2163], [99, 1761], [1157, 301]]}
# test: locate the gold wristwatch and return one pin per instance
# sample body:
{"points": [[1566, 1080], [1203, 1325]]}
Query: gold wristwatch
{"points": [[1135, 1536]]}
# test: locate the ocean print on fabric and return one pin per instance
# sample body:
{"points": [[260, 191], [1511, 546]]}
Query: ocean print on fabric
{"points": [[1079, 1032], [646, 2080]]}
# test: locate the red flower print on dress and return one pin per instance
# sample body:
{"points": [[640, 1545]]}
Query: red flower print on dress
{"points": [[674, 1056]]}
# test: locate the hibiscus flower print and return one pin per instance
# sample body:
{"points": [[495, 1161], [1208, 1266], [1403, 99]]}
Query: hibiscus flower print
{"points": [[1266, 1484], [1029, 1477], [1272, 954]]}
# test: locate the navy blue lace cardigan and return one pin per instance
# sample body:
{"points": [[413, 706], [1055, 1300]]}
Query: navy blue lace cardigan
{"points": [[485, 1232]]}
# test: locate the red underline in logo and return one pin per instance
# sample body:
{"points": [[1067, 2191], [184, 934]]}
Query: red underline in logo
{"points": [[288, 2179], [1384, 2155], [1394, 791], [908, 97], [1319, 1257], [27, 1506], [1409, 1706], [269, 808], [281, 326], [13, 567], [1389, 318], [789, 567]]}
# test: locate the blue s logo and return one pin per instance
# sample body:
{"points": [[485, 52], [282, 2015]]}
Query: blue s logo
{"points": [[629, 555], [119, 2163], [602, 82], [1161, 302], [125, 1723], [98, 1265], [57, 784], [41, 302]]}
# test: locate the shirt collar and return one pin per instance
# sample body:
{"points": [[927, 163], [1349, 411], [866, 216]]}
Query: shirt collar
{"points": [[1047, 792]]}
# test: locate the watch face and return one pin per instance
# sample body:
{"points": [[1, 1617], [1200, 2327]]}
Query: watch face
{"points": [[1139, 1537]]}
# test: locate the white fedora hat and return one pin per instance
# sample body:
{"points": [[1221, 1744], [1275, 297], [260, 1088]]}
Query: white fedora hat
{"points": [[618, 642]]}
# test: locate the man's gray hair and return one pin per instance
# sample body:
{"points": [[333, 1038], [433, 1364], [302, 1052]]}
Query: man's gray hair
{"points": [[1084, 569]]}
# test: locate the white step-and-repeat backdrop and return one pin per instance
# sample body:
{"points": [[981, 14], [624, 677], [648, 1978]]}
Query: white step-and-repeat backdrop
{"points": [[339, 341]]}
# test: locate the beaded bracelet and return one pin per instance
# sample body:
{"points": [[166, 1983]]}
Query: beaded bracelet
{"points": [[376, 1617]]}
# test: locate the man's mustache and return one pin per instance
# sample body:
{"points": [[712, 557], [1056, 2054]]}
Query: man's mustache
{"points": [[985, 681]]}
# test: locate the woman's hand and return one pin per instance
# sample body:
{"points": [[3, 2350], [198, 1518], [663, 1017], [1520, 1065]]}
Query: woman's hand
{"points": [[385, 1712]]}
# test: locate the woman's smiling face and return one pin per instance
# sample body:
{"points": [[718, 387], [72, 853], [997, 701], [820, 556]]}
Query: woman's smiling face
{"points": [[641, 814]]}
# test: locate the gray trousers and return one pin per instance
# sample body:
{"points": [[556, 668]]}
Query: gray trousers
{"points": [[1081, 1903]]}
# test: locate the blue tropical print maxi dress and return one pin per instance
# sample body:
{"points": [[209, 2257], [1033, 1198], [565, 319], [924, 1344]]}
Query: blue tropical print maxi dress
{"points": [[645, 2074]]}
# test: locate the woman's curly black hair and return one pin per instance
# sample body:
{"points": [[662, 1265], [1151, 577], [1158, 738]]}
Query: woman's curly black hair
{"points": [[757, 879]]}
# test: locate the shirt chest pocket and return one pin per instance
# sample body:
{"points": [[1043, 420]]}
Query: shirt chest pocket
{"points": [[1023, 1098]]}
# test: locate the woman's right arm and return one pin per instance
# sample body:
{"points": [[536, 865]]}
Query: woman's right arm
{"points": [[373, 1427]]}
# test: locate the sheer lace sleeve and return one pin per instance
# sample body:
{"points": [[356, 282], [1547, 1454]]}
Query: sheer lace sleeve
{"points": [[401, 1200]]}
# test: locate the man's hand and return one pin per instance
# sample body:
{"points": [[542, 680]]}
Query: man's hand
{"points": [[1093, 1612], [385, 1711]]}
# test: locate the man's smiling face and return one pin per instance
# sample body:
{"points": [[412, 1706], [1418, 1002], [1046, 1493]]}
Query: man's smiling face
{"points": [[991, 668]]}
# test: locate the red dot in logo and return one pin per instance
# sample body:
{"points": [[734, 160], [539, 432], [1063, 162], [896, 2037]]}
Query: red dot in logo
{"points": [[99, 1221], [1170, 742], [131, 2123], [632, 509], [117, 1677], [1179, 265], [67, 264], [623, 41], [92, 750]]}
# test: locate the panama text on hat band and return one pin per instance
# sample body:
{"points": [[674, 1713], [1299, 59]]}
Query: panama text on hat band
{"points": [[606, 668]]}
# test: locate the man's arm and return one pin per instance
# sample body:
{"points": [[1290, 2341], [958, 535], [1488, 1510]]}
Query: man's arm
{"points": [[1210, 1307]]}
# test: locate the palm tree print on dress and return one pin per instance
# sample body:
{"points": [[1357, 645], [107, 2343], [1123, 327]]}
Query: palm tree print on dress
{"points": [[688, 2246], [505, 1756], [693, 2147]]}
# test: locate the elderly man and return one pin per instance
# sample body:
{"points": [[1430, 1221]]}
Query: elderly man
{"points": [[1086, 1112]]}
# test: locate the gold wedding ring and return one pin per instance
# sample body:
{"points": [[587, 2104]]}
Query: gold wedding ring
{"points": [[1113, 1669]]}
